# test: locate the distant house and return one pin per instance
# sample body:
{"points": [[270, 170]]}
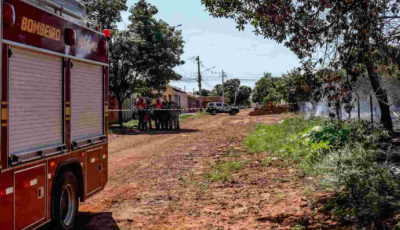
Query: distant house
{"points": [[171, 93], [206, 100], [175, 94], [194, 100], [127, 105]]}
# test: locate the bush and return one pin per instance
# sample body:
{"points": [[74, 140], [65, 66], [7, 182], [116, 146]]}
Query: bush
{"points": [[366, 192], [273, 138], [340, 133], [344, 156]]}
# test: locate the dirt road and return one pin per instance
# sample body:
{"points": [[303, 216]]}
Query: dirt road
{"points": [[158, 180]]}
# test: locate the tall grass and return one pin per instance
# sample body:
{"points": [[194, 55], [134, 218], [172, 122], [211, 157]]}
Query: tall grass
{"points": [[343, 156], [273, 138], [183, 117]]}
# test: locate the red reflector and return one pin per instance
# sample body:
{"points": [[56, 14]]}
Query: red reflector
{"points": [[8, 15], [107, 33], [52, 164], [69, 37], [103, 47], [2, 192]]}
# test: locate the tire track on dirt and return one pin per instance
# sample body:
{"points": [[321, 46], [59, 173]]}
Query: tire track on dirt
{"points": [[129, 154]]}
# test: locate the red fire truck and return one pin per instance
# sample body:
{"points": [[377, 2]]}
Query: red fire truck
{"points": [[54, 102]]}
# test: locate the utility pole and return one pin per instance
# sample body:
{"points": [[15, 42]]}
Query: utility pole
{"points": [[200, 96], [223, 97], [236, 94]]}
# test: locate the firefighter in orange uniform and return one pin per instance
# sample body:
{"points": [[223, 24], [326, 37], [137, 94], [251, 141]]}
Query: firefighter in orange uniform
{"points": [[141, 111], [158, 113]]}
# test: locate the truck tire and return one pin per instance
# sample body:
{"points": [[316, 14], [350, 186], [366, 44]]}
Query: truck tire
{"points": [[233, 113], [214, 112], [65, 201]]}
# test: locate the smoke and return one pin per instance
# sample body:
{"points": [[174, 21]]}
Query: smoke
{"points": [[322, 109]]}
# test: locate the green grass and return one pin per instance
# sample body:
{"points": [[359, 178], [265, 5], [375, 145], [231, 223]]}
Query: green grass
{"points": [[116, 129], [272, 138], [343, 157], [222, 171], [131, 123], [183, 117]]}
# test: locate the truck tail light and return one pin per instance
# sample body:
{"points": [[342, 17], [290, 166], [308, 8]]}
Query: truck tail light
{"points": [[107, 33], [8, 15], [69, 37], [103, 47]]}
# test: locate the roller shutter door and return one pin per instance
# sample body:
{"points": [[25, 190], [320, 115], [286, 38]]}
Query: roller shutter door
{"points": [[35, 101], [86, 101]]}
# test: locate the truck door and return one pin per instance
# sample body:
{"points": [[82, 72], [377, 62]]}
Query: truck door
{"points": [[86, 101], [35, 102], [227, 108], [87, 121]]}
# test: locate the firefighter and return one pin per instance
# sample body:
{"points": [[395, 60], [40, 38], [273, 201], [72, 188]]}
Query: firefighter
{"points": [[158, 114], [149, 115], [165, 115], [141, 111]]}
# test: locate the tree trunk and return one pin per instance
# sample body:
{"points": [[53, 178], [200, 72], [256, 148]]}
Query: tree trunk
{"points": [[381, 95], [120, 112]]}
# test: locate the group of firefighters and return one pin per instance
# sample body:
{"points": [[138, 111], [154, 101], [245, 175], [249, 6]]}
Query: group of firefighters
{"points": [[148, 112]]}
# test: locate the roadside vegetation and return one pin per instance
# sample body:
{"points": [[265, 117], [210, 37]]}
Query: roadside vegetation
{"points": [[222, 171], [183, 117], [349, 159]]}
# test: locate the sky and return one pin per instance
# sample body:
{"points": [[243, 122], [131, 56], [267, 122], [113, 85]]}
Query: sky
{"points": [[240, 54]]}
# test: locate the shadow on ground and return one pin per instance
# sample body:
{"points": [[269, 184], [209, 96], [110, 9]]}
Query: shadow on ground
{"points": [[135, 131], [89, 220]]}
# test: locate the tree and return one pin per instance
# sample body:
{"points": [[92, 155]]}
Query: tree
{"points": [[144, 55], [105, 12], [243, 95], [263, 88], [352, 34], [231, 87], [204, 92], [217, 90]]}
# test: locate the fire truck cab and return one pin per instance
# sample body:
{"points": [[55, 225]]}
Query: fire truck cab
{"points": [[54, 102]]}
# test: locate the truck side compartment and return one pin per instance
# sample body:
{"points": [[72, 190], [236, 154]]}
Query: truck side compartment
{"points": [[54, 102]]}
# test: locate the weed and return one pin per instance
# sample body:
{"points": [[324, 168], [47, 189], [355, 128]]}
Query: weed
{"points": [[267, 162], [299, 227], [131, 123], [273, 138], [222, 171], [183, 117]]}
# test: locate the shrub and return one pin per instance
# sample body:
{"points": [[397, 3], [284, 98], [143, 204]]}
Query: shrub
{"points": [[344, 155], [273, 138], [366, 192]]}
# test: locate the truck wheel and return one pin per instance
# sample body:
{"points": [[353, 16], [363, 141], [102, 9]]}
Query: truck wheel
{"points": [[214, 112], [233, 113], [66, 201]]}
